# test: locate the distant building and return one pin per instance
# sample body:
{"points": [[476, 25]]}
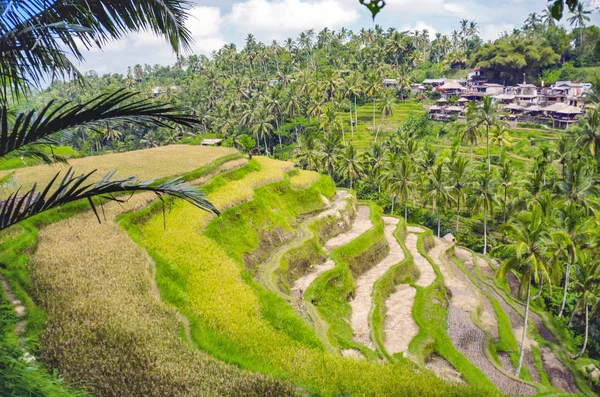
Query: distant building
{"points": [[451, 88], [390, 83], [211, 142], [416, 89], [434, 82]]}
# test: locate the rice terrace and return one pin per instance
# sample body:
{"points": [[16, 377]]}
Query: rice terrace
{"points": [[367, 212]]}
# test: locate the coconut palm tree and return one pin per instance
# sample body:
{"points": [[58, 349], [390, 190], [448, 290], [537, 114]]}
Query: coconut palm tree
{"points": [[349, 164], [547, 17], [399, 179], [507, 176], [438, 190], [482, 197], [588, 286], [331, 151], [589, 133], [564, 151], [574, 232], [501, 137], [262, 125], [485, 116], [579, 186], [579, 18], [526, 253], [386, 106], [373, 88], [470, 133], [459, 175], [310, 155], [374, 161]]}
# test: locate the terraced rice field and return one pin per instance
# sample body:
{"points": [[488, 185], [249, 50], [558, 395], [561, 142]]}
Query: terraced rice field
{"points": [[295, 289]]}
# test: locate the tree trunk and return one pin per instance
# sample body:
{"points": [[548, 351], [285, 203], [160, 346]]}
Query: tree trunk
{"points": [[439, 217], [457, 212], [406, 209], [266, 147], [585, 338], [522, 350], [393, 200], [565, 290], [504, 206], [487, 143], [373, 111], [355, 117], [540, 290], [484, 230]]}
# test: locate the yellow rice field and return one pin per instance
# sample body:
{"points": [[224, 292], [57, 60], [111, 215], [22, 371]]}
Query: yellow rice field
{"points": [[161, 162]]}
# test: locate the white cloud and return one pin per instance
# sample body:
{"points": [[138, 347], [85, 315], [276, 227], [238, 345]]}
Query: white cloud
{"points": [[279, 18], [492, 31], [420, 25]]}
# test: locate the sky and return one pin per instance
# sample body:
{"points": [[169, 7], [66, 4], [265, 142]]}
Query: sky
{"points": [[214, 23]]}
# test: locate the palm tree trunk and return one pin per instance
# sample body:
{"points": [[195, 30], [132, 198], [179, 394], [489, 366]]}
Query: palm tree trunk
{"points": [[406, 209], [540, 290], [471, 155], [522, 350], [373, 111], [585, 338], [504, 206], [266, 147], [439, 217], [393, 200], [487, 139], [565, 289], [484, 230], [457, 212]]}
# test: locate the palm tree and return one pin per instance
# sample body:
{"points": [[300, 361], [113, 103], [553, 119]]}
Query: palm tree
{"points": [[471, 134], [350, 168], [501, 137], [547, 17], [485, 116], [574, 232], [507, 175], [30, 55], [588, 285], [483, 197], [310, 156], [579, 186], [563, 151], [438, 190], [526, 253], [579, 18], [331, 149], [374, 161], [386, 107], [262, 125], [459, 174], [589, 133], [399, 179], [373, 88]]}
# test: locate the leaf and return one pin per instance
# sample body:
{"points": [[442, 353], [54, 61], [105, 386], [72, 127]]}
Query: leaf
{"points": [[74, 188], [373, 5]]}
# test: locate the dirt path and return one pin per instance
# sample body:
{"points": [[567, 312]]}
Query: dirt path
{"points": [[362, 302], [361, 224], [301, 285], [400, 326], [20, 310], [427, 273], [469, 339]]}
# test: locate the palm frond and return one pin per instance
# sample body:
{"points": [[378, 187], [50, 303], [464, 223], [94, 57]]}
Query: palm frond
{"points": [[74, 188], [37, 35], [122, 106]]}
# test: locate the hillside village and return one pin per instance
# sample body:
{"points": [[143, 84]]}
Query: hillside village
{"points": [[557, 105]]}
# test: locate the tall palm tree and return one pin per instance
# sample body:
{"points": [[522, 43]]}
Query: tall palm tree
{"points": [[374, 161], [485, 116], [310, 155], [29, 55], [470, 133], [574, 233], [438, 190], [501, 137], [386, 106], [459, 174], [589, 133], [483, 197], [262, 125], [507, 176], [373, 88], [579, 18], [526, 253], [588, 286], [399, 179], [579, 186], [564, 151], [349, 165], [331, 151]]}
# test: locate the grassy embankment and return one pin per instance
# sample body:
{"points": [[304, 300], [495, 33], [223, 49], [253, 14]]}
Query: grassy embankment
{"points": [[129, 326], [216, 293], [429, 312], [331, 291]]}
